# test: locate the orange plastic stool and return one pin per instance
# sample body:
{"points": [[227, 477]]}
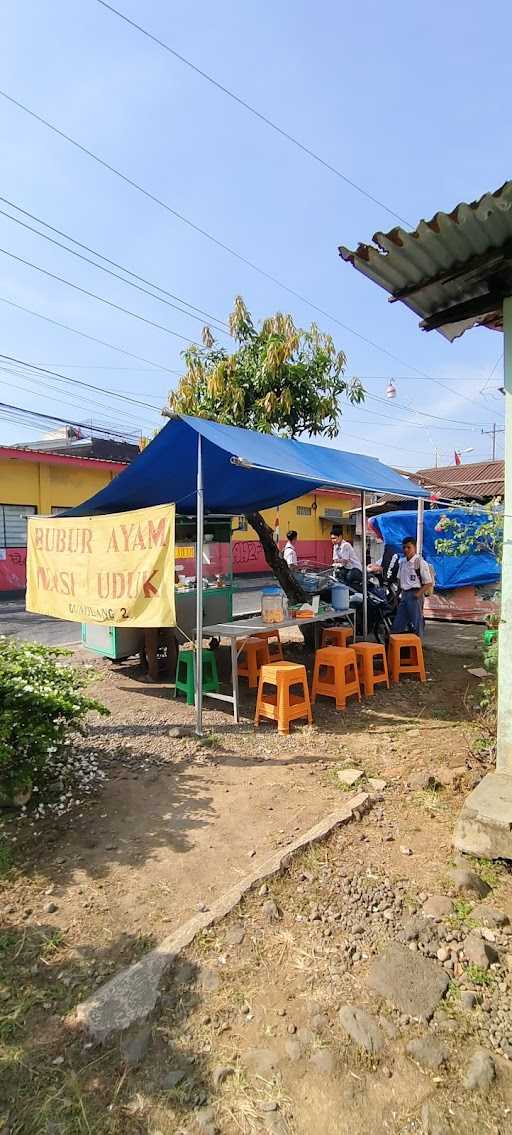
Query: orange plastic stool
{"points": [[337, 636], [405, 656], [335, 675], [367, 654], [281, 704], [275, 648], [253, 655]]}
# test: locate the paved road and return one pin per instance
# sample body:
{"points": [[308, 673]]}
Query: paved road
{"points": [[15, 621]]}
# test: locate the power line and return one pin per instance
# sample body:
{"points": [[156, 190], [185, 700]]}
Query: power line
{"points": [[257, 113], [61, 396], [65, 421], [220, 244], [213, 319], [77, 381], [423, 413], [93, 295], [92, 338]]}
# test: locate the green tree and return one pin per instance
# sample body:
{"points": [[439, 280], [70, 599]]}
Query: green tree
{"points": [[279, 379], [468, 537]]}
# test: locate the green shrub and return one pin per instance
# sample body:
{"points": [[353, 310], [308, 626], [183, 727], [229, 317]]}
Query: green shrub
{"points": [[42, 704]]}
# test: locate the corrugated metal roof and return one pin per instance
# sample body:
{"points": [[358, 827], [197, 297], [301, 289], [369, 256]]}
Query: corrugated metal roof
{"points": [[443, 262], [478, 479]]}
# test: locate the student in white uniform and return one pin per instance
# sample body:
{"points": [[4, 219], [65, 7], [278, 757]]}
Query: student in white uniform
{"points": [[415, 580], [289, 553], [344, 556]]}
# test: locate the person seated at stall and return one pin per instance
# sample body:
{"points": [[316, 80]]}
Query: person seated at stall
{"points": [[289, 551], [416, 581], [345, 558], [387, 566]]}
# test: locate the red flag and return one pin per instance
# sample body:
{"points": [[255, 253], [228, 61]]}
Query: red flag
{"points": [[458, 458]]}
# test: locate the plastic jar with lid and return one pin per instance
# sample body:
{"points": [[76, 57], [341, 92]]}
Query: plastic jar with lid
{"points": [[273, 605]]}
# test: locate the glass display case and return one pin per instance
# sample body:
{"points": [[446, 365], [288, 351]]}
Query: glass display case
{"points": [[121, 642]]}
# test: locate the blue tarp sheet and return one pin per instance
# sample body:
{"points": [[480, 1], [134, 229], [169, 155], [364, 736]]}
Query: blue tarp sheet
{"points": [[279, 470], [450, 571]]}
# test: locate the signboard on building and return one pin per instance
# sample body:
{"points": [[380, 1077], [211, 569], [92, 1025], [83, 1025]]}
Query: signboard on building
{"points": [[116, 570]]}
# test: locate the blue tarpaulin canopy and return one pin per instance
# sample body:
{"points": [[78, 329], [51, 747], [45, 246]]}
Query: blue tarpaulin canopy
{"points": [[450, 571], [243, 471]]}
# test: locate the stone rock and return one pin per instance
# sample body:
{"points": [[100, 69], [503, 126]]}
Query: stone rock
{"points": [[205, 1120], [432, 1120], [450, 777], [134, 1046], [377, 784], [489, 916], [405, 850], [427, 1052], [443, 954], [50, 907], [261, 1061], [349, 776], [412, 927], [271, 911], [479, 953], [437, 907], [480, 1072], [468, 999], [235, 935], [221, 1073], [423, 779], [412, 983], [323, 1060], [275, 1124], [468, 883], [263, 890], [180, 731], [362, 1028], [319, 1022], [170, 1080], [294, 1049], [208, 980]]}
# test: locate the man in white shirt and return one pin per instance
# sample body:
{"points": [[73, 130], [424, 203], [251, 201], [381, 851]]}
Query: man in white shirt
{"points": [[415, 579], [289, 553], [343, 554]]}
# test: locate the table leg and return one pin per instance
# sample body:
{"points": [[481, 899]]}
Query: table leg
{"points": [[234, 676]]}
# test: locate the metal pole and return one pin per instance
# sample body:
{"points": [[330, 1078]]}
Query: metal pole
{"points": [[419, 525], [504, 756], [199, 590], [365, 572]]}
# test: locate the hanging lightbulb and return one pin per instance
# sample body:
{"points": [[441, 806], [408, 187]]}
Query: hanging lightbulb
{"points": [[391, 389]]}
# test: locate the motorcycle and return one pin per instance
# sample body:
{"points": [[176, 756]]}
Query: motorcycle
{"points": [[382, 600]]}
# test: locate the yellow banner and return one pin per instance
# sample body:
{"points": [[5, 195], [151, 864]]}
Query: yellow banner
{"points": [[116, 570]]}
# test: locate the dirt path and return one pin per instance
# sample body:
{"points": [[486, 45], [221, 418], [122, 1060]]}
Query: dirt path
{"points": [[174, 824]]}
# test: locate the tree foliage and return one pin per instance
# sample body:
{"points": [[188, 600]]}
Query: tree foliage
{"points": [[473, 535], [280, 378]]}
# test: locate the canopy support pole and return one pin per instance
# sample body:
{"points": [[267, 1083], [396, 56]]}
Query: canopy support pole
{"points": [[199, 589], [419, 525], [365, 569]]}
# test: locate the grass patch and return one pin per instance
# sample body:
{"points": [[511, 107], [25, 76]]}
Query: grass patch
{"points": [[461, 916], [6, 860], [490, 871], [480, 976], [431, 799]]}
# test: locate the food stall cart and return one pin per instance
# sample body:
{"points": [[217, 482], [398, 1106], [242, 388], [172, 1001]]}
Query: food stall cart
{"points": [[209, 469]]}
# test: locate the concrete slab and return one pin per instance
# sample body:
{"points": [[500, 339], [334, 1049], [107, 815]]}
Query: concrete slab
{"points": [[484, 827]]}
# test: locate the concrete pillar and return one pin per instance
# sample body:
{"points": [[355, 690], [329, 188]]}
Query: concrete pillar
{"points": [[504, 761], [484, 826]]}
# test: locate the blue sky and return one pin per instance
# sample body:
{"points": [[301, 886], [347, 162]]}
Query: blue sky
{"points": [[407, 100]]}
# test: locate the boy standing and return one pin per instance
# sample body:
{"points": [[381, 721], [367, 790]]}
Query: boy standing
{"points": [[415, 580]]}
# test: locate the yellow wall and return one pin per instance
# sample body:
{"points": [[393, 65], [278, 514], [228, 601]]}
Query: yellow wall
{"points": [[49, 486], [312, 527]]}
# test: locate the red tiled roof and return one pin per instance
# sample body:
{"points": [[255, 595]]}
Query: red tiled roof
{"points": [[477, 479]]}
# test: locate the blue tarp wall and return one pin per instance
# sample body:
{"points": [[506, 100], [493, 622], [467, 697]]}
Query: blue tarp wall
{"points": [[450, 571]]}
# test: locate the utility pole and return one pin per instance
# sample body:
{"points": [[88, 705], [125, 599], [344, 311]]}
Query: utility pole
{"points": [[504, 754], [492, 433]]}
